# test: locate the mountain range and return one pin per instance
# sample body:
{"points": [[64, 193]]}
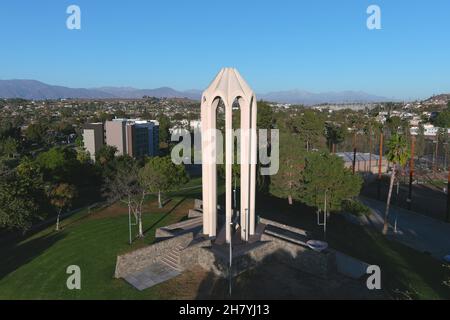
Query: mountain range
{"points": [[36, 90]]}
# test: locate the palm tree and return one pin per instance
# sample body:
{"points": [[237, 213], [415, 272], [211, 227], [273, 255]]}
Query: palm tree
{"points": [[398, 154]]}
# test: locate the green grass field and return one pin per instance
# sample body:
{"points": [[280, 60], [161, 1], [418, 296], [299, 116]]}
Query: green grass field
{"points": [[35, 267]]}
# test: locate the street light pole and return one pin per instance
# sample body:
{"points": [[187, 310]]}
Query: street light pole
{"points": [[411, 171], [325, 216], [380, 161], [231, 261], [129, 223], [448, 197]]}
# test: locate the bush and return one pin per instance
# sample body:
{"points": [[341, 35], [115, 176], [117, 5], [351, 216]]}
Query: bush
{"points": [[355, 208]]}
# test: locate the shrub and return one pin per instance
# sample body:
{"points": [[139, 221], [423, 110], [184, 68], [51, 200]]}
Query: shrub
{"points": [[355, 208]]}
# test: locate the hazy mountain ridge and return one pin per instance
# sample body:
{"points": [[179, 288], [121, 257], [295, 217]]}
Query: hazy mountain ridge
{"points": [[310, 98], [32, 89], [163, 92]]}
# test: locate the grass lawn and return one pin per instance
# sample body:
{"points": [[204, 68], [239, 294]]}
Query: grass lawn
{"points": [[35, 267]]}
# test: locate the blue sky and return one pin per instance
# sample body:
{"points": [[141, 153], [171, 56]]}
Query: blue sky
{"points": [[276, 45]]}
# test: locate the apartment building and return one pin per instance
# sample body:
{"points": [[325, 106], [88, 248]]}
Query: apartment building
{"points": [[133, 137], [142, 138]]}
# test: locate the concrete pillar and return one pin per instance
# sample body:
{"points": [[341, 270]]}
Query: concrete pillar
{"points": [[245, 167], [205, 110], [253, 162]]}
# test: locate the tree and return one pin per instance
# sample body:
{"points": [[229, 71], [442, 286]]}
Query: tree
{"points": [[443, 119], [79, 143], [309, 126], [7, 129], [398, 154], [335, 134], [394, 124], [164, 126], [122, 184], [265, 115], [288, 180], [106, 154], [160, 174], [83, 156], [21, 195], [325, 174], [61, 197], [58, 164], [420, 141], [36, 133], [9, 147]]}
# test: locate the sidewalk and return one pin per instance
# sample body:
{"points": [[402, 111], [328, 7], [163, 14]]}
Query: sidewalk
{"points": [[414, 230]]}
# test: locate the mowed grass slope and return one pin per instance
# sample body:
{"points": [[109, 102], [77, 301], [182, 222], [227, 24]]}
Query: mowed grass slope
{"points": [[35, 268]]}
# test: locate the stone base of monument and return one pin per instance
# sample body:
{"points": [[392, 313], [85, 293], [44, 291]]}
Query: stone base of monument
{"points": [[182, 246], [271, 242]]}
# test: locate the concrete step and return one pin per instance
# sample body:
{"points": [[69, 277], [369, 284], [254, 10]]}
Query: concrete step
{"points": [[173, 255], [170, 263], [179, 248], [286, 235], [170, 258]]}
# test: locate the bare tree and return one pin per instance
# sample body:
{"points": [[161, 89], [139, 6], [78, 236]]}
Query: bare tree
{"points": [[124, 186]]}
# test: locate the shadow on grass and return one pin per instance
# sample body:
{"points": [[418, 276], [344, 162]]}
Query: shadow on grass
{"points": [[156, 223], [17, 255], [406, 273], [278, 276], [296, 215]]}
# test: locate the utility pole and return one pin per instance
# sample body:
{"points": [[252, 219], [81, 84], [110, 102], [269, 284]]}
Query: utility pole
{"points": [[129, 223], [411, 171], [435, 164], [234, 194], [380, 162], [354, 152], [447, 218], [370, 149], [325, 215], [231, 261]]}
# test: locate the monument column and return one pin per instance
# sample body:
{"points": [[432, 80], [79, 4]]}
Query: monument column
{"points": [[205, 167], [253, 162], [245, 168]]}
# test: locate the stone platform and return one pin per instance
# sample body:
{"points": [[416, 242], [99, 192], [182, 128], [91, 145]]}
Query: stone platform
{"points": [[183, 245]]}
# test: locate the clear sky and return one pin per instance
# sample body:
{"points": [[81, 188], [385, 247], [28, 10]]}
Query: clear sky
{"points": [[316, 45]]}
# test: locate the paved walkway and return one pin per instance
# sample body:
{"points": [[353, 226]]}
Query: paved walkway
{"points": [[350, 266], [152, 275], [414, 230]]}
